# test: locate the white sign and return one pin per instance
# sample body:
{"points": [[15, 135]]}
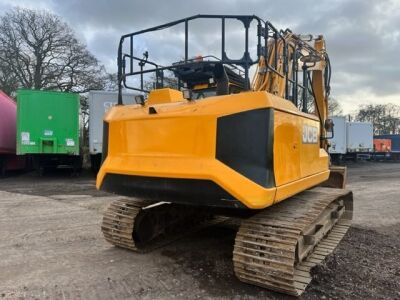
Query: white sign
{"points": [[25, 138], [70, 142], [48, 132], [310, 134]]}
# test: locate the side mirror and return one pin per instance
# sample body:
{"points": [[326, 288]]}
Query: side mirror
{"points": [[139, 99], [329, 128], [187, 94], [329, 125]]}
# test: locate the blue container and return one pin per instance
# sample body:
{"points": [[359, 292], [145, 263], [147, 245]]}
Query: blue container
{"points": [[395, 138]]}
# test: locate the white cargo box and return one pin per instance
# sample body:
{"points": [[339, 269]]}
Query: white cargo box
{"points": [[99, 103], [339, 140], [360, 137]]}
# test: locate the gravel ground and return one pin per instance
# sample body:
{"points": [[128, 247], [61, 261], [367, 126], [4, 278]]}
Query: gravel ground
{"points": [[51, 247]]}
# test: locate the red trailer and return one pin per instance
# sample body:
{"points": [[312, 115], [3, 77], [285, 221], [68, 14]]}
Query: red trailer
{"points": [[382, 145], [8, 113]]}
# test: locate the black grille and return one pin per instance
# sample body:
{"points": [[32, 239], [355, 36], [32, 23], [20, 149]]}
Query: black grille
{"points": [[245, 144]]}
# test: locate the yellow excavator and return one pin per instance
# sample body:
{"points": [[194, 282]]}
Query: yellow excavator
{"points": [[215, 143]]}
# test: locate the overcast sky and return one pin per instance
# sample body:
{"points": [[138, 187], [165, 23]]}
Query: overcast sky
{"points": [[363, 36]]}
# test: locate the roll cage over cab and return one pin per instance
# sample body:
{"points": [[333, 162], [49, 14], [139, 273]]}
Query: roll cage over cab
{"points": [[279, 53]]}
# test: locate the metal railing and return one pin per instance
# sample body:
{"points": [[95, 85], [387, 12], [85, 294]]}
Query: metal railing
{"points": [[266, 34]]}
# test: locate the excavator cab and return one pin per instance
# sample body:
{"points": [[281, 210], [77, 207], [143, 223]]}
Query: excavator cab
{"points": [[204, 78], [215, 142]]}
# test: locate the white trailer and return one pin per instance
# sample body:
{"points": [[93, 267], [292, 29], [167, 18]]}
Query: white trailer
{"points": [[99, 103], [339, 141], [351, 140], [360, 137]]}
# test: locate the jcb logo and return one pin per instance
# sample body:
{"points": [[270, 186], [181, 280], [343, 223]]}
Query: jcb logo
{"points": [[310, 134]]}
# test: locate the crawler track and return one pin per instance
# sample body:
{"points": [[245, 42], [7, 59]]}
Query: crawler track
{"points": [[141, 226], [277, 247]]}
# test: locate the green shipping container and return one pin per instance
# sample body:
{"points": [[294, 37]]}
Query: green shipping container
{"points": [[47, 122]]}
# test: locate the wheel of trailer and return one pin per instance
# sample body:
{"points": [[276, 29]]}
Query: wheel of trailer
{"points": [[2, 167], [77, 166], [41, 171], [95, 162]]}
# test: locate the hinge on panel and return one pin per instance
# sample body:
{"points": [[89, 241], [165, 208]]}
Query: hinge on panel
{"points": [[261, 30]]}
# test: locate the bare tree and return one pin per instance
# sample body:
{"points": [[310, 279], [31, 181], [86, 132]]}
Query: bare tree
{"points": [[334, 107], [40, 51], [384, 117], [169, 80], [111, 82], [8, 81]]}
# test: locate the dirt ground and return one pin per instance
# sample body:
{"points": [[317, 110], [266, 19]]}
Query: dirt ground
{"points": [[51, 247]]}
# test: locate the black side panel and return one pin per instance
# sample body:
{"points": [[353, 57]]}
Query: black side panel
{"points": [[245, 144], [105, 142], [186, 191]]}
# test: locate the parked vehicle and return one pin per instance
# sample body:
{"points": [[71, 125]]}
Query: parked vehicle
{"points": [[8, 159], [382, 145], [48, 129], [394, 143], [99, 103], [338, 143], [217, 145], [351, 140], [394, 140], [359, 137]]}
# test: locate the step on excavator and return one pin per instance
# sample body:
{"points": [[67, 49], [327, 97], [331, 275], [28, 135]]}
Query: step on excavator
{"points": [[207, 142]]}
